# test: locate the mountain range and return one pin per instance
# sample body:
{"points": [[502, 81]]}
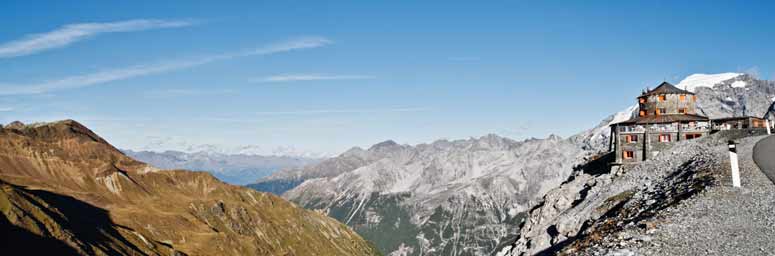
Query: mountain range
{"points": [[237, 169], [66, 191], [160, 144]]}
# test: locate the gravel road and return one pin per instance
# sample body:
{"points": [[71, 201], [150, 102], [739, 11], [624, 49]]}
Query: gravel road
{"points": [[723, 220]]}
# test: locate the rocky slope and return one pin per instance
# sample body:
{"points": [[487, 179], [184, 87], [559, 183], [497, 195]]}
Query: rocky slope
{"points": [[287, 179], [679, 203], [65, 190], [742, 95], [445, 198], [237, 169]]}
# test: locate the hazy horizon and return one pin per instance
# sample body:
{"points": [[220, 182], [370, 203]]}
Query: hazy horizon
{"points": [[325, 77]]}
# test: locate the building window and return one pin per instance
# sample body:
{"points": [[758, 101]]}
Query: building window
{"points": [[693, 136], [642, 100], [682, 111], [694, 97], [662, 97], [664, 138], [629, 155], [631, 138], [642, 113], [683, 97], [661, 111]]}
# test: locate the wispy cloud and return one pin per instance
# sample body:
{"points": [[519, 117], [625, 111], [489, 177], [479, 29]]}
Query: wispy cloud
{"points": [[72, 33], [309, 77], [105, 76], [6, 109], [187, 92]]}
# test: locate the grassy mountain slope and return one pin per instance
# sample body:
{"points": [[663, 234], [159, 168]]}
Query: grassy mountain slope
{"points": [[65, 185]]}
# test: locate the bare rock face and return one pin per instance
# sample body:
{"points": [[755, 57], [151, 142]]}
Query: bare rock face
{"points": [[62, 185], [458, 197], [587, 208], [287, 179], [743, 95]]}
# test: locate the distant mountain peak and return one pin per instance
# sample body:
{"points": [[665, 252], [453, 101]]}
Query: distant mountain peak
{"points": [[692, 82], [15, 125], [354, 151], [554, 137], [160, 144], [383, 145], [492, 137], [67, 128]]}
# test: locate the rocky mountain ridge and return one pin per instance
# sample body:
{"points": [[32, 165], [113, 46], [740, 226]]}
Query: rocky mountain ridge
{"points": [[444, 198], [286, 179]]}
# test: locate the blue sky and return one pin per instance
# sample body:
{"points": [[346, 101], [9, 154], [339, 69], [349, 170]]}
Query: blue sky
{"points": [[325, 76]]}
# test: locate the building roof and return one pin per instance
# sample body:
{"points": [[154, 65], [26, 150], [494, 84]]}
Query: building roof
{"points": [[666, 88], [654, 119]]}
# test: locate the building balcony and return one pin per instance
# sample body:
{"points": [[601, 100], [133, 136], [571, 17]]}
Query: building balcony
{"points": [[663, 128]]}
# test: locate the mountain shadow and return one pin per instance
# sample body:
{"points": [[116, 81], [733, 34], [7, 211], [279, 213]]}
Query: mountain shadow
{"points": [[88, 229]]}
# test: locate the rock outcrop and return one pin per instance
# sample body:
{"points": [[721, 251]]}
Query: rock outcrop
{"points": [[655, 207], [589, 204]]}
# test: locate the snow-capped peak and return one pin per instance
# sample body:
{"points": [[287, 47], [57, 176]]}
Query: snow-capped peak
{"points": [[161, 144], [694, 81], [621, 116]]}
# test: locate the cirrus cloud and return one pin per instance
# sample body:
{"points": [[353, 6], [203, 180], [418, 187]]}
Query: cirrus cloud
{"points": [[72, 33], [309, 77], [110, 75]]}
